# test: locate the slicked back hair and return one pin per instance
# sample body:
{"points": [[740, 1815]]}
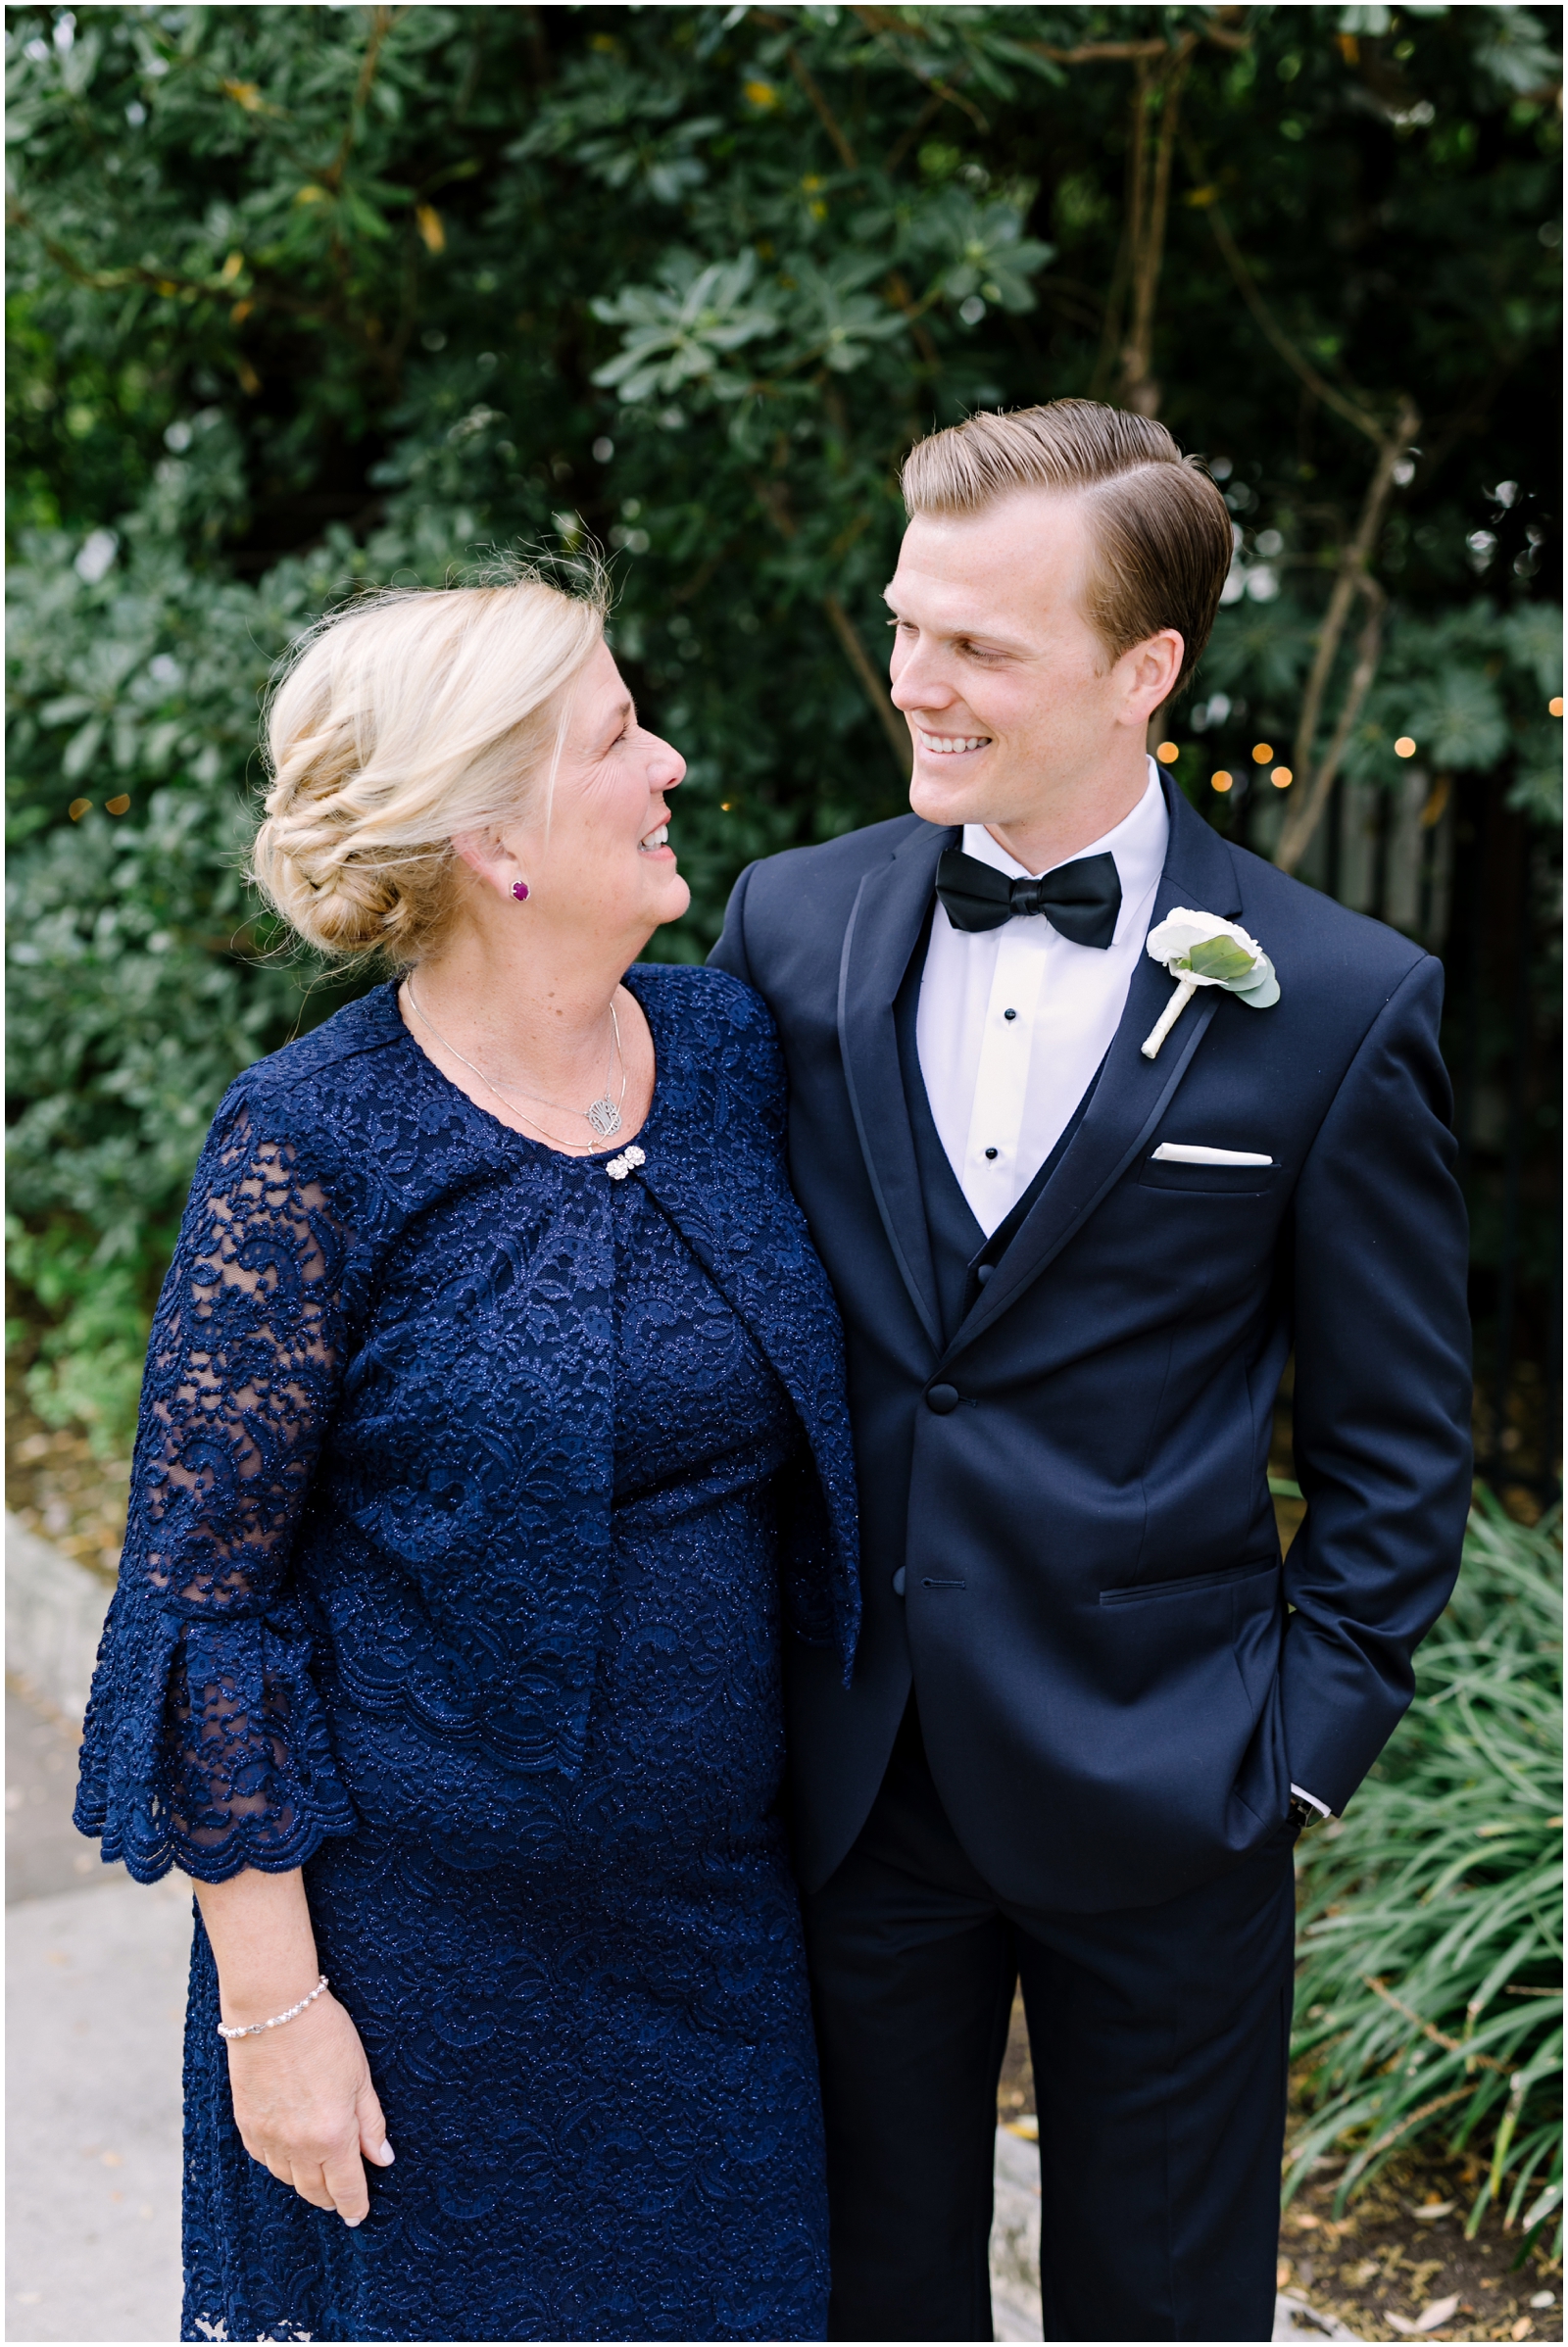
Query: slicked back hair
{"points": [[1160, 529]]}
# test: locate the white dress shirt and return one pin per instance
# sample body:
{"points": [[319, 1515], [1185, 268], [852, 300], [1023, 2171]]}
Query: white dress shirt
{"points": [[1014, 1021]]}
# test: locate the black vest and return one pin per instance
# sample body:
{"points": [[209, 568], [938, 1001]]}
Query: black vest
{"points": [[961, 1255]]}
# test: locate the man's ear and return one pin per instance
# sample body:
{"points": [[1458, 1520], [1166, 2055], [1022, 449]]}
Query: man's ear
{"points": [[1150, 671]]}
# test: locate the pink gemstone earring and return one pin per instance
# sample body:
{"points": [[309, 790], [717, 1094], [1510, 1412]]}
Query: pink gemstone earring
{"points": [[520, 889]]}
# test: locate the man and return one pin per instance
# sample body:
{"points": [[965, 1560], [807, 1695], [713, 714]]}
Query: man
{"points": [[1091, 1708]]}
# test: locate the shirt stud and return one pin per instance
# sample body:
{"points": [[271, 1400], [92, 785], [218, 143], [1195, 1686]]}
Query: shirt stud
{"points": [[991, 1152], [1010, 1014]]}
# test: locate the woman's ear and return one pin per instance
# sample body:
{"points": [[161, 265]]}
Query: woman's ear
{"points": [[485, 855]]}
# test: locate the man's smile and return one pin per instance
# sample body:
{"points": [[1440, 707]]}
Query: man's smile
{"points": [[949, 745]]}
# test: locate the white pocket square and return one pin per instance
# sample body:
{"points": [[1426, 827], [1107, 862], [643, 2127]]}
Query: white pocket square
{"points": [[1192, 1152]]}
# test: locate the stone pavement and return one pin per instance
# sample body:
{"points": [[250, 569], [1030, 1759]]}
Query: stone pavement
{"points": [[95, 1993], [95, 1990], [1015, 2255], [1015, 2239]]}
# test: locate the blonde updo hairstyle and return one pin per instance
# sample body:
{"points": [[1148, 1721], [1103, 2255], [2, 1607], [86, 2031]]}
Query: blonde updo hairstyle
{"points": [[398, 723]]}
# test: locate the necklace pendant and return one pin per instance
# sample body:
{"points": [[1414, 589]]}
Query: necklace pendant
{"points": [[605, 1117]]}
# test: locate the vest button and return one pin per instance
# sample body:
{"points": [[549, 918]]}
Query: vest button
{"points": [[897, 1583], [942, 1398], [983, 1271]]}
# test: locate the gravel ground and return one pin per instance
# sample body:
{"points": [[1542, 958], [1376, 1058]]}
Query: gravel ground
{"points": [[1397, 2264]]}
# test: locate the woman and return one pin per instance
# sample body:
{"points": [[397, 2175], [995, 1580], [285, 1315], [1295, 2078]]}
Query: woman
{"points": [[493, 1418]]}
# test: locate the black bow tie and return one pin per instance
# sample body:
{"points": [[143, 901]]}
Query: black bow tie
{"points": [[1079, 900]]}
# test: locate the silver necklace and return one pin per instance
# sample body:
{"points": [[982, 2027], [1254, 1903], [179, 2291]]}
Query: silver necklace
{"points": [[603, 1114]]}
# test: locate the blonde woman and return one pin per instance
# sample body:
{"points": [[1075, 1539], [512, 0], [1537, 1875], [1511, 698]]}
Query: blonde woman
{"points": [[493, 1437]]}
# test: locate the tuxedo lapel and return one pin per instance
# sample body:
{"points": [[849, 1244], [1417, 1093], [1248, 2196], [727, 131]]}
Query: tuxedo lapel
{"points": [[1133, 1091], [884, 927]]}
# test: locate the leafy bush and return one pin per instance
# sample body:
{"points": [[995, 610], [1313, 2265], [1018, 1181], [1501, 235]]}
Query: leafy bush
{"points": [[303, 298], [1429, 2001]]}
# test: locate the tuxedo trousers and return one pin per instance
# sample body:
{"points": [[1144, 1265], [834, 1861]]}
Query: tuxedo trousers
{"points": [[1159, 2038]]}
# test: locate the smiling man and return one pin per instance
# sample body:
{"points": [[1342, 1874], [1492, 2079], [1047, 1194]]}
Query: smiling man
{"points": [[1091, 1707]]}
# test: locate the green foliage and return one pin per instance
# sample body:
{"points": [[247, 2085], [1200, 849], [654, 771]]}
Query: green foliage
{"points": [[1428, 2002], [303, 298], [88, 1371], [1464, 683]]}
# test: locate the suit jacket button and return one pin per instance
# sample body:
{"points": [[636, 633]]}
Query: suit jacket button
{"points": [[942, 1398], [897, 1583]]}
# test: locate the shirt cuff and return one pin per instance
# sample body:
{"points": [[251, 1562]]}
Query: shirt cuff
{"points": [[1312, 1800]]}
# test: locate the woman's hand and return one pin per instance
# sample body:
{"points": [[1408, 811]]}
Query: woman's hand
{"points": [[305, 2107], [303, 2099]]}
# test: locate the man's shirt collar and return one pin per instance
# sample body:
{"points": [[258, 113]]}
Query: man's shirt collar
{"points": [[1138, 843]]}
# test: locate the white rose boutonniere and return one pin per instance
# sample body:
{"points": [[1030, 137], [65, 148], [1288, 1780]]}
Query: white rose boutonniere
{"points": [[1198, 949]]}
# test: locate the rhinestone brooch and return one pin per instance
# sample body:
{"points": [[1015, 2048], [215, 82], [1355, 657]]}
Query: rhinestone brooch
{"points": [[627, 1162]]}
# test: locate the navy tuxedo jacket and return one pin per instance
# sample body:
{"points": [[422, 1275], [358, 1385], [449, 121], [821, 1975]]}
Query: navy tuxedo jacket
{"points": [[1117, 1679]]}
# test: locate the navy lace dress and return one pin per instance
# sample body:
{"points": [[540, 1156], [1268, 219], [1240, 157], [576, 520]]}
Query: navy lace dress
{"points": [[474, 1492]]}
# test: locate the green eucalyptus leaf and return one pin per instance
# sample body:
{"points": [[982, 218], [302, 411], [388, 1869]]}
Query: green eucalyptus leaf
{"points": [[1219, 958]]}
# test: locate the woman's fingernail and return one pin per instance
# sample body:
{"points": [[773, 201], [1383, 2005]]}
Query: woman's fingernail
{"points": [[352, 2221], [386, 2155]]}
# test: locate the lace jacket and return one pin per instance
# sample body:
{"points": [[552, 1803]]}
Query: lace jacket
{"points": [[371, 1511]]}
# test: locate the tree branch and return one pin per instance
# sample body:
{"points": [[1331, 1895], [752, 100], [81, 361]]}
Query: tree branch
{"points": [[906, 138], [1307, 811], [1471, 416], [913, 310], [826, 115], [383, 20], [1247, 285], [773, 498], [1219, 29], [162, 282], [875, 691], [964, 104], [1093, 52], [1150, 207], [1121, 266], [1411, 2119], [1450, 2045], [1353, 578]]}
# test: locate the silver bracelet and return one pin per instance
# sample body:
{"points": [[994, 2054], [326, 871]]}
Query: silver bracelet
{"points": [[276, 2023]]}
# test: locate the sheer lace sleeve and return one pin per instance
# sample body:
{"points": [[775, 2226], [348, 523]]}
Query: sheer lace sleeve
{"points": [[205, 1744]]}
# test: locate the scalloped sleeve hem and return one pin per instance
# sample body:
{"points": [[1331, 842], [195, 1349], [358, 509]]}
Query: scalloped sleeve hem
{"points": [[206, 1748]]}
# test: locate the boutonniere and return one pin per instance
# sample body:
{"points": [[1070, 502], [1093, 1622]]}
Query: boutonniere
{"points": [[1198, 949]]}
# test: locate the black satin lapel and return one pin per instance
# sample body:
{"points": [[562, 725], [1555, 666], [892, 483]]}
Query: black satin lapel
{"points": [[1133, 1091], [883, 928], [1200, 869]]}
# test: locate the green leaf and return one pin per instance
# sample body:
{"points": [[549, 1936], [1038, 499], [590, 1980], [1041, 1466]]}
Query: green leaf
{"points": [[1542, 2208], [1219, 958], [1458, 718], [81, 749]]}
